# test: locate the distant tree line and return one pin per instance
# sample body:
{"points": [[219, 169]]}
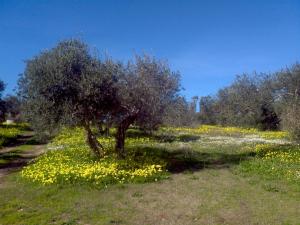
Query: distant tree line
{"points": [[264, 101]]}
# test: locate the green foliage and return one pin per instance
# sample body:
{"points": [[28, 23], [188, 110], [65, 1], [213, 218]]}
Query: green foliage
{"points": [[68, 86], [263, 101], [288, 96], [178, 113], [246, 102], [145, 91]]}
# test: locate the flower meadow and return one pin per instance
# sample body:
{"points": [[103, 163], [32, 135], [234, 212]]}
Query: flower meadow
{"points": [[276, 161], [228, 131], [69, 160]]}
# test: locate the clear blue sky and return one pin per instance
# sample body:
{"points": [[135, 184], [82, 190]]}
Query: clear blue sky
{"points": [[209, 42]]}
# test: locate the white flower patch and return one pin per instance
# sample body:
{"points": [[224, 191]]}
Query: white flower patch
{"points": [[55, 147], [241, 140]]}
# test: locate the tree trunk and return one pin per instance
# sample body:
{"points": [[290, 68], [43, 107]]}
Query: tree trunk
{"points": [[121, 134], [92, 142], [120, 141], [106, 131], [100, 128]]}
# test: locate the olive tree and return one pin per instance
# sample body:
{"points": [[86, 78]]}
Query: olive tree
{"points": [[145, 89], [288, 98], [68, 86], [208, 112], [178, 113]]}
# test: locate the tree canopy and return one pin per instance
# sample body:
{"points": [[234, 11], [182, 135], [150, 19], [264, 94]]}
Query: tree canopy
{"points": [[145, 90], [68, 86]]}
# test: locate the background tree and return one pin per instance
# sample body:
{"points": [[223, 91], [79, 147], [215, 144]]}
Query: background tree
{"points": [[2, 103], [269, 119], [194, 103], [208, 112], [248, 101], [67, 86], [145, 90], [288, 99], [13, 106], [178, 113]]}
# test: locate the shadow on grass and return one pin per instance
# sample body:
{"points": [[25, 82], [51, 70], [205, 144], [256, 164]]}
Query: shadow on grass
{"points": [[188, 160], [27, 139], [14, 159], [21, 127], [12, 152], [188, 138], [163, 138]]}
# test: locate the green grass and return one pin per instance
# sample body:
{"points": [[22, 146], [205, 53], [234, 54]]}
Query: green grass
{"points": [[208, 196], [275, 162], [9, 133], [15, 154], [211, 181]]}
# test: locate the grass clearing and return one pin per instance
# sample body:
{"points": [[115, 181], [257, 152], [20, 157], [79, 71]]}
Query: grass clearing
{"points": [[208, 196], [208, 183], [10, 132], [18, 152]]}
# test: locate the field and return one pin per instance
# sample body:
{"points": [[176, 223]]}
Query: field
{"points": [[205, 175]]}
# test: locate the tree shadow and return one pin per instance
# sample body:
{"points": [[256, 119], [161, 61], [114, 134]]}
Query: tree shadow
{"points": [[17, 126], [134, 133], [21, 140], [188, 138], [162, 138], [14, 159], [181, 160]]}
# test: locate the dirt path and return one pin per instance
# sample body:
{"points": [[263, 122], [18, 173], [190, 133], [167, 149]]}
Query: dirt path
{"points": [[18, 154]]}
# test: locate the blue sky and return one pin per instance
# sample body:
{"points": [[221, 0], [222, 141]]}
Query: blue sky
{"points": [[209, 42]]}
